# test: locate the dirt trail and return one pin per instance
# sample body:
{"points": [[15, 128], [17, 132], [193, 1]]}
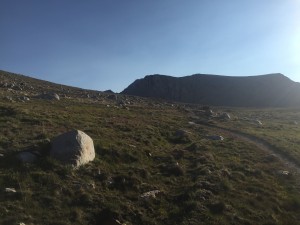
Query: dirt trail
{"points": [[291, 163]]}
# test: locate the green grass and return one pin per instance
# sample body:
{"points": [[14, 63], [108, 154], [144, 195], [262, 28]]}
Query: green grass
{"points": [[227, 182], [279, 128]]}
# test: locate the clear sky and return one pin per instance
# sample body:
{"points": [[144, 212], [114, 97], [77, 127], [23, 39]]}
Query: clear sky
{"points": [[107, 44]]}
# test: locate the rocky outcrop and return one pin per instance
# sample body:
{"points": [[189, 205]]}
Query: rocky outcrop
{"points": [[272, 90], [49, 96], [74, 147]]}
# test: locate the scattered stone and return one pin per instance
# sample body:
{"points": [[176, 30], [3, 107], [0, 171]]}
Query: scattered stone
{"points": [[9, 98], [110, 180], [49, 96], [149, 153], [259, 123], [56, 96], [150, 194], [181, 136], [216, 137], [22, 224], [10, 190], [74, 147], [209, 112], [132, 146], [225, 116], [24, 98], [191, 123], [284, 172], [182, 133], [295, 123], [112, 97], [122, 103], [1, 155]]}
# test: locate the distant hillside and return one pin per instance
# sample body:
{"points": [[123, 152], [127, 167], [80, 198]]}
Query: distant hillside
{"points": [[271, 90], [19, 88], [29, 85], [18, 85]]}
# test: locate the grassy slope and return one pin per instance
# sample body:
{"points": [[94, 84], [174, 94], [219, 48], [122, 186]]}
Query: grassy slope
{"points": [[227, 182], [281, 127]]}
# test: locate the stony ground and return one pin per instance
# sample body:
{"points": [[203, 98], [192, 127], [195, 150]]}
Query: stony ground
{"points": [[156, 162]]}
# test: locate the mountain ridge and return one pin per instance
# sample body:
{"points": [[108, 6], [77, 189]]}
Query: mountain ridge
{"points": [[269, 90]]}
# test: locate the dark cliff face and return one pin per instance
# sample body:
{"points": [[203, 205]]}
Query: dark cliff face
{"points": [[272, 90]]}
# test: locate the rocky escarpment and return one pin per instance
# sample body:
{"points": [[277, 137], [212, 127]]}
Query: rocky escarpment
{"points": [[272, 90]]}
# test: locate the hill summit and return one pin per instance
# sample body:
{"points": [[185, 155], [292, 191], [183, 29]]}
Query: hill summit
{"points": [[271, 90]]}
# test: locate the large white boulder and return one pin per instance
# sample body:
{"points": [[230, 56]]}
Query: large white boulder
{"points": [[74, 147]]}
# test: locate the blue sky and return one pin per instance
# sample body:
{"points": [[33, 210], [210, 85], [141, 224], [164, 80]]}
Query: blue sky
{"points": [[107, 44]]}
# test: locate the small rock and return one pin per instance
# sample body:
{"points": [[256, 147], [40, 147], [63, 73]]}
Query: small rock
{"points": [[56, 96], [132, 146], [182, 133], [10, 190], [259, 123], [112, 97], [284, 172], [9, 98], [110, 180], [191, 123], [49, 96], [216, 137], [209, 112], [24, 98], [225, 116], [149, 194]]}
